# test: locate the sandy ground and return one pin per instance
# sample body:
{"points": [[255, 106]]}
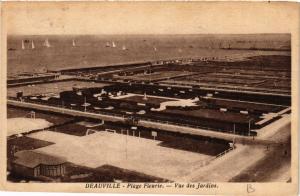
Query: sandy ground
{"points": [[146, 156], [21, 125], [277, 130], [179, 103], [281, 175], [228, 166], [274, 166], [128, 152]]}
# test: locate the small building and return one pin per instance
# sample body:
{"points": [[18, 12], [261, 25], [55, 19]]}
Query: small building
{"points": [[33, 164]]}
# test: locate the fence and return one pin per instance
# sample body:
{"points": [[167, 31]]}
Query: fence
{"points": [[208, 161], [225, 152]]}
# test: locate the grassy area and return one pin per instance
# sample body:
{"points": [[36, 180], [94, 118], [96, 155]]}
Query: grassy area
{"points": [[54, 87], [72, 129], [209, 114], [105, 173], [267, 72], [251, 107]]}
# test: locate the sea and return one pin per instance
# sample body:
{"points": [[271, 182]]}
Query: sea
{"points": [[41, 53]]}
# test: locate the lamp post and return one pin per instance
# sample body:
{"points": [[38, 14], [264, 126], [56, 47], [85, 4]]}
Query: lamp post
{"points": [[84, 103], [126, 142], [62, 106], [233, 134], [249, 126]]}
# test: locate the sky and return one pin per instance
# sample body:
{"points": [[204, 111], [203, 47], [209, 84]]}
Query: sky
{"points": [[149, 18]]}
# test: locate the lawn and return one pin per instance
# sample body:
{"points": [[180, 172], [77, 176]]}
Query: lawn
{"points": [[55, 87]]}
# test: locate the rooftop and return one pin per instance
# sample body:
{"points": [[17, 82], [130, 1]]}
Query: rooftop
{"points": [[32, 159]]}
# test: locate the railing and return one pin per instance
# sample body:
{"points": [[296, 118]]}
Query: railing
{"points": [[208, 161], [225, 152]]}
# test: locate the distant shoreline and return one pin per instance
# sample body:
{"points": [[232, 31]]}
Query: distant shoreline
{"points": [[262, 49]]}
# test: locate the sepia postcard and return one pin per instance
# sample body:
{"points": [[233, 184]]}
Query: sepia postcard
{"points": [[150, 97]]}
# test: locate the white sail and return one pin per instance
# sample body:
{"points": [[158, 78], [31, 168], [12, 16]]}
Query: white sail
{"points": [[124, 47], [113, 44], [23, 45], [73, 43], [47, 44], [32, 45], [155, 49]]}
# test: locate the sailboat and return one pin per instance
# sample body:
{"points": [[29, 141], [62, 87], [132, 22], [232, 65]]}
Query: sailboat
{"points": [[32, 45], [113, 44], [155, 49], [23, 45], [107, 44], [124, 47], [46, 43], [73, 43]]}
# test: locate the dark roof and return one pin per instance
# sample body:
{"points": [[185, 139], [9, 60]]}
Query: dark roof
{"points": [[32, 159]]}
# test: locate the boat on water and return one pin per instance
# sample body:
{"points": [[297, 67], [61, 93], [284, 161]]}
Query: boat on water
{"points": [[73, 43], [47, 43], [107, 44], [23, 45], [32, 45], [124, 48], [114, 45]]}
